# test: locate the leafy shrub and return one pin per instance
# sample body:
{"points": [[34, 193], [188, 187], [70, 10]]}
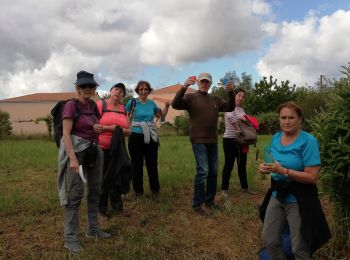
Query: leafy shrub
{"points": [[332, 128], [268, 123], [182, 124], [5, 124], [48, 122]]}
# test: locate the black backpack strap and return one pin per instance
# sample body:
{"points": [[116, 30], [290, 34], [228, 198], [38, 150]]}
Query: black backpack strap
{"points": [[104, 105], [132, 110], [77, 109], [105, 109]]}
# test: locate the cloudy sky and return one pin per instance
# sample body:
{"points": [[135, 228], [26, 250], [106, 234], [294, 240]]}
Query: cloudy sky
{"points": [[45, 43]]}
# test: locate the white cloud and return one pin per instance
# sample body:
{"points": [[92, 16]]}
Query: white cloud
{"points": [[260, 7], [44, 43], [305, 50]]}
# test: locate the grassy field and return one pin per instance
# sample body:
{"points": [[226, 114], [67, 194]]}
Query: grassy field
{"points": [[31, 220]]}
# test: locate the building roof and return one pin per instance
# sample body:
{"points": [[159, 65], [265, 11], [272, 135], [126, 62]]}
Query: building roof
{"points": [[170, 90], [162, 99], [41, 97], [55, 97]]}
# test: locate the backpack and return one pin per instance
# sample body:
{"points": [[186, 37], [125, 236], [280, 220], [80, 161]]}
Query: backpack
{"points": [[286, 246], [56, 114], [247, 133]]}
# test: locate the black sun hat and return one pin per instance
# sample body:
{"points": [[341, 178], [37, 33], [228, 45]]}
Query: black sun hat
{"points": [[84, 77]]}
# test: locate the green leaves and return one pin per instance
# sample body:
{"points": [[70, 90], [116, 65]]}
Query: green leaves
{"points": [[332, 128], [5, 124]]}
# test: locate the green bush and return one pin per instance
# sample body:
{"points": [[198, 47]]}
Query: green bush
{"points": [[182, 124], [5, 124], [268, 123], [48, 119], [332, 128]]}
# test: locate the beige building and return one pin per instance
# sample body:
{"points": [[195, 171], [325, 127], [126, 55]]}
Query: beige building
{"points": [[24, 110], [162, 95]]}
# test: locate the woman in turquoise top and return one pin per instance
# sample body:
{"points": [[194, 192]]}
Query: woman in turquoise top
{"points": [[295, 157], [143, 142]]}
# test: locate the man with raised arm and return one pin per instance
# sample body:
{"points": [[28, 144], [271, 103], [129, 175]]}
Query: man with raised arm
{"points": [[203, 109]]}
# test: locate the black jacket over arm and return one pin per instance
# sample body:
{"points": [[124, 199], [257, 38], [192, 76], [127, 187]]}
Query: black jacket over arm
{"points": [[119, 169]]}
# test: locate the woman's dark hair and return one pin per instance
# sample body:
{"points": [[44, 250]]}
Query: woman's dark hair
{"points": [[119, 85], [291, 105], [238, 90], [143, 83]]}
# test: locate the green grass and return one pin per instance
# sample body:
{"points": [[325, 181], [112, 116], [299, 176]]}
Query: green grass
{"points": [[31, 220]]}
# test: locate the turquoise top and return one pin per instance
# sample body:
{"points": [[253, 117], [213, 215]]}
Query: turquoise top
{"points": [[144, 112], [303, 152]]}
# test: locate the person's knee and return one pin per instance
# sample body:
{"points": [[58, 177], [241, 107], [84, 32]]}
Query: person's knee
{"points": [[74, 200], [270, 241]]}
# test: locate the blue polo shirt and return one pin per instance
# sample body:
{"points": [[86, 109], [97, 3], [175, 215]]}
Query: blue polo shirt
{"points": [[303, 152], [144, 112]]}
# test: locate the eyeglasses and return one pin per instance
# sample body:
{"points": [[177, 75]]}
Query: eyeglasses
{"points": [[85, 86], [143, 89]]}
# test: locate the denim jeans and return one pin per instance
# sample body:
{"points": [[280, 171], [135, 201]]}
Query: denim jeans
{"points": [[206, 156]]}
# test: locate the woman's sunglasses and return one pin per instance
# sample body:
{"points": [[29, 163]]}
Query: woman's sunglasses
{"points": [[87, 86]]}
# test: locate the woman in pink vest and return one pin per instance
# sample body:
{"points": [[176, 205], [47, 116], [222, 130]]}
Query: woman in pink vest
{"points": [[112, 115]]}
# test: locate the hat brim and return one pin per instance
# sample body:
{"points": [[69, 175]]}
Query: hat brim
{"points": [[84, 81], [206, 78]]}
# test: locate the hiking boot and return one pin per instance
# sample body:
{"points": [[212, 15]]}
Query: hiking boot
{"points": [[97, 234], [73, 247], [224, 193], [156, 196], [199, 210], [213, 206], [251, 192]]}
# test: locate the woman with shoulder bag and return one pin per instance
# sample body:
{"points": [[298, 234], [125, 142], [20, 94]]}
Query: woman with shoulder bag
{"points": [[232, 149], [80, 157]]}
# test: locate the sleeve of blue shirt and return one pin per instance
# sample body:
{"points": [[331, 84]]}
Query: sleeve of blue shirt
{"points": [[311, 151], [156, 108]]}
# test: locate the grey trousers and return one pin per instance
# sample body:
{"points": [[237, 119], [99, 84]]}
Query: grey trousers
{"points": [[75, 189], [277, 216]]}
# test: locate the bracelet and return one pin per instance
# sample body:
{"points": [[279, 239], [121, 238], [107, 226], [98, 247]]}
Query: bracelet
{"points": [[287, 173]]}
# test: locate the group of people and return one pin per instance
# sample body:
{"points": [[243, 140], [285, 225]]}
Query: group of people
{"points": [[90, 141], [92, 149]]}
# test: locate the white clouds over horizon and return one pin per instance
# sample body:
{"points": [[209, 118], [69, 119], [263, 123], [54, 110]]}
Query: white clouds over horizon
{"points": [[303, 50], [45, 43]]}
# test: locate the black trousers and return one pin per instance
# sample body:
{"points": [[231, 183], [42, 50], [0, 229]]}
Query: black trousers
{"points": [[140, 151], [108, 190], [232, 150]]}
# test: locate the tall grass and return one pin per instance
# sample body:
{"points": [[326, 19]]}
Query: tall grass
{"points": [[31, 221]]}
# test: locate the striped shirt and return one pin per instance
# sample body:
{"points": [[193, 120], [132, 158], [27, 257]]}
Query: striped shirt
{"points": [[231, 122]]}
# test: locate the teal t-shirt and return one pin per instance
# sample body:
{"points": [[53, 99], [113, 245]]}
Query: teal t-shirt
{"points": [[144, 112], [303, 152]]}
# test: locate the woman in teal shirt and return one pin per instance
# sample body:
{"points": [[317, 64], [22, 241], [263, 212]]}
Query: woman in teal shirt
{"points": [[294, 167], [143, 142]]}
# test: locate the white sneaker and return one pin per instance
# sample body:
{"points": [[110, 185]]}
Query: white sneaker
{"points": [[224, 193]]}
